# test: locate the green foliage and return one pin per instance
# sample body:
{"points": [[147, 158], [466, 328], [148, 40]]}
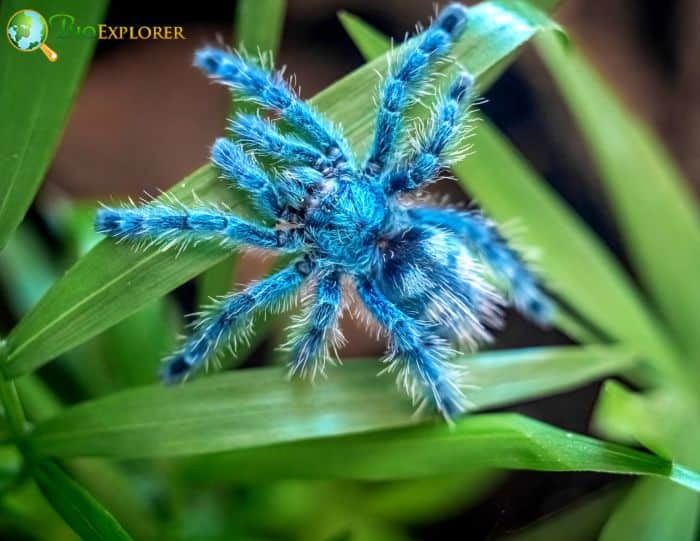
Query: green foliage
{"points": [[87, 517], [657, 214], [107, 321], [35, 99], [260, 407]]}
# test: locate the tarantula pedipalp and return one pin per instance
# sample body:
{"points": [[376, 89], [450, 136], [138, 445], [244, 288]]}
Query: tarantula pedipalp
{"points": [[417, 269]]}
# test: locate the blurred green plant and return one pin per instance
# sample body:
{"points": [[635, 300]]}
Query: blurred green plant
{"points": [[352, 442]]}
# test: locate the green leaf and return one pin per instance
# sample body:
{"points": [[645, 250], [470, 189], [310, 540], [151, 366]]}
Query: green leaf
{"points": [[495, 440], [653, 510], [126, 500], [663, 421], [259, 406], [113, 281], [25, 250], [134, 348], [78, 508], [259, 24], [104, 480], [657, 213], [35, 98], [629, 417], [561, 238], [426, 501], [370, 42], [109, 283], [581, 521]]}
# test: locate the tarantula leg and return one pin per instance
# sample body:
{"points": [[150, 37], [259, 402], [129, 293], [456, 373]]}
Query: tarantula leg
{"points": [[166, 225], [310, 348], [423, 166], [241, 169], [271, 92], [231, 316], [405, 78], [484, 239], [261, 137], [420, 356]]}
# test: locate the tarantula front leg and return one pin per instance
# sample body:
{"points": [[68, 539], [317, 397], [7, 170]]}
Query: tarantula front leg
{"points": [[423, 166], [405, 78], [270, 91], [167, 225], [484, 239], [421, 356], [262, 138], [310, 348], [240, 168], [231, 315]]}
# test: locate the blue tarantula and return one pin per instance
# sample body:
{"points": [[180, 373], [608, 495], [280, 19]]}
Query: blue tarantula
{"points": [[421, 272]]}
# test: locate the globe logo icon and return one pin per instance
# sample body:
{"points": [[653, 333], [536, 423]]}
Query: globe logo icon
{"points": [[27, 31]]}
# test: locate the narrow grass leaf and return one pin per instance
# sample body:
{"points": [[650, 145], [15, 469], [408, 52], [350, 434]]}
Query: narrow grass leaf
{"points": [[495, 440], [109, 283], [654, 509], [426, 501], [259, 24], [657, 213], [126, 500], [510, 191], [626, 416], [25, 250], [664, 422], [105, 480], [134, 348], [35, 99], [78, 508], [581, 521], [113, 281], [259, 406]]}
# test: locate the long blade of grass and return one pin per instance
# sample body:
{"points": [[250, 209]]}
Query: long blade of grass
{"points": [[101, 478], [78, 508], [495, 440], [259, 24], [510, 190], [654, 509], [582, 521], [35, 98], [629, 417], [665, 423], [657, 213], [25, 251], [259, 407], [427, 501], [113, 281]]}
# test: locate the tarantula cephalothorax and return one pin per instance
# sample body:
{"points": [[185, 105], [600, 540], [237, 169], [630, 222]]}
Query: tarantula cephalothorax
{"points": [[420, 271]]}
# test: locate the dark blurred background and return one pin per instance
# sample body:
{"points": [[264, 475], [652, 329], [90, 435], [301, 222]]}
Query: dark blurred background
{"points": [[145, 118]]}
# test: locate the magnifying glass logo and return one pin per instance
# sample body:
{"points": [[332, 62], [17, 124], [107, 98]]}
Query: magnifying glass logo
{"points": [[27, 31]]}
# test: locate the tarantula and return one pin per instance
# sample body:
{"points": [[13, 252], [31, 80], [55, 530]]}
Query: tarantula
{"points": [[423, 273]]}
